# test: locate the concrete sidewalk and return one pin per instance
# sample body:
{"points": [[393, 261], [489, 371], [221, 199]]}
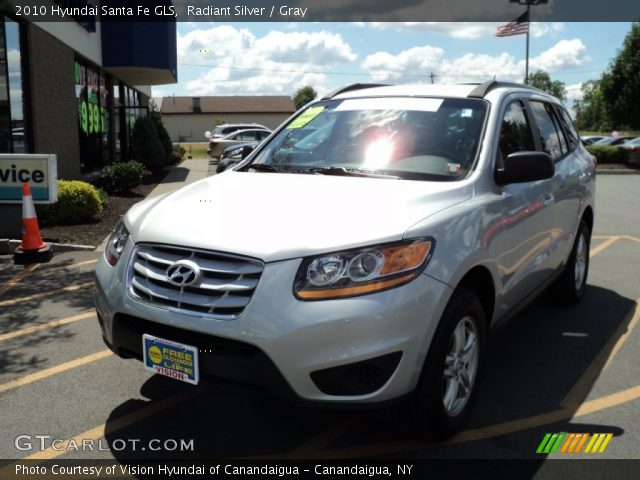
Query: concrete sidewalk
{"points": [[187, 172]]}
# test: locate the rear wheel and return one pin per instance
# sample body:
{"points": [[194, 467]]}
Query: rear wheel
{"points": [[447, 386], [570, 287]]}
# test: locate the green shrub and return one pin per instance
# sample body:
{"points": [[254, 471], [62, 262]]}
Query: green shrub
{"points": [[146, 146], [177, 154], [104, 198], [609, 154], [78, 202], [165, 139], [122, 176]]}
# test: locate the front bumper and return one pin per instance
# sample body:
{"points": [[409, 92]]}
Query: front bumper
{"points": [[279, 343]]}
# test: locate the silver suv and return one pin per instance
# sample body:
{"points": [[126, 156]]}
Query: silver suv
{"points": [[374, 240]]}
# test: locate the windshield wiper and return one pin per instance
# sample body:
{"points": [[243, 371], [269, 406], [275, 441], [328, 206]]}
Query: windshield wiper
{"points": [[265, 167], [353, 172]]}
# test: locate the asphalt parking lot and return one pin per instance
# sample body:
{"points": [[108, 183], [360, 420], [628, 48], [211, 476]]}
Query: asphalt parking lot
{"points": [[551, 369]]}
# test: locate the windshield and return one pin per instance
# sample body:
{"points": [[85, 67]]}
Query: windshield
{"points": [[409, 138]]}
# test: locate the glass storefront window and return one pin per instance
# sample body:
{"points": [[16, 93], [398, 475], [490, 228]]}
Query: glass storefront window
{"points": [[93, 116], [13, 131]]}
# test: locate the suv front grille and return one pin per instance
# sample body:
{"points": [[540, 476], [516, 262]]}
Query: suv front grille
{"points": [[223, 290]]}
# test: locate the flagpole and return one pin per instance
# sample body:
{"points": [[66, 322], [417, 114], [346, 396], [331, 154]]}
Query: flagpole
{"points": [[526, 65]]}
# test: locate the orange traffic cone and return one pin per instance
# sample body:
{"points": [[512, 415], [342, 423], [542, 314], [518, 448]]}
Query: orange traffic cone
{"points": [[32, 249]]}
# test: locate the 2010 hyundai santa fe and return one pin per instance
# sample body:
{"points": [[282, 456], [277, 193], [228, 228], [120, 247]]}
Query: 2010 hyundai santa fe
{"points": [[362, 252]]}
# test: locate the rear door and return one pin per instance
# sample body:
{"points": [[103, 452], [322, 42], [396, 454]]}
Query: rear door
{"points": [[563, 198]]}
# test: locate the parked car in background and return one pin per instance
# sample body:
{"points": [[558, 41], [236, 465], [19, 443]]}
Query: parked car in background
{"points": [[613, 141], [251, 136], [632, 145], [227, 128], [589, 139], [364, 260], [232, 155]]}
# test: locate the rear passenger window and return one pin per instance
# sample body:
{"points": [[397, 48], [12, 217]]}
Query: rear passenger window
{"points": [[515, 134], [551, 136], [569, 128], [246, 136]]}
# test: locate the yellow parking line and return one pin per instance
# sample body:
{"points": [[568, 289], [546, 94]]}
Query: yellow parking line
{"points": [[17, 278], [483, 433], [44, 326], [101, 430], [73, 265], [63, 367], [321, 440], [629, 237], [48, 293], [606, 244], [581, 388]]}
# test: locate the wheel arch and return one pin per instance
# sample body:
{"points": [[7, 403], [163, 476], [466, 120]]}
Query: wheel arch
{"points": [[587, 216], [480, 281]]}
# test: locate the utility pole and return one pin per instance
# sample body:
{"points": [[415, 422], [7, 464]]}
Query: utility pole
{"points": [[432, 76]]}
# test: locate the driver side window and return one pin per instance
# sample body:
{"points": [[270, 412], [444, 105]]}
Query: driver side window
{"points": [[515, 134]]}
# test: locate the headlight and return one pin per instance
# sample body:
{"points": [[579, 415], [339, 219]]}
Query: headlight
{"points": [[116, 243], [362, 271]]}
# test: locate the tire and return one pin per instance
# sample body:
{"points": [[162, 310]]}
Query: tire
{"points": [[571, 285], [440, 405]]}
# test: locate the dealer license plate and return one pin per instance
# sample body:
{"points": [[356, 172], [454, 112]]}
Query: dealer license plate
{"points": [[172, 359]]}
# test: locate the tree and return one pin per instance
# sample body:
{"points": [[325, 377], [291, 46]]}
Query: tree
{"points": [[304, 95], [163, 135], [621, 83], [146, 146], [591, 111], [541, 80]]}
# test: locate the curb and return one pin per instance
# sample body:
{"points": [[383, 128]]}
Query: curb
{"points": [[617, 172], [7, 246]]}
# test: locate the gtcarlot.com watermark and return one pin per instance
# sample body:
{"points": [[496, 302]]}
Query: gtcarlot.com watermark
{"points": [[27, 443]]}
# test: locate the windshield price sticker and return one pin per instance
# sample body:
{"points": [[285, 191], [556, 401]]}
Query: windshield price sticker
{"points": [[305, 117]]}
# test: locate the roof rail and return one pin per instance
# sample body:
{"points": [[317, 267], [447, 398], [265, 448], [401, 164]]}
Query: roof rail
{"points": [[352, 87], [481, 90]]}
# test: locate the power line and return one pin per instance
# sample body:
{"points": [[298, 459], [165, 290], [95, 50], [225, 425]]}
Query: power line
{"points": [[431, 75]]}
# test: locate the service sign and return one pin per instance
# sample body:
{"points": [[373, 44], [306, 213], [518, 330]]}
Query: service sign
{"points": [[39, 170]]}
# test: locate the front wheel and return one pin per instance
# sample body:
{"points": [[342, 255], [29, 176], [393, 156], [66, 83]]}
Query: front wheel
{"points": [[571, 285], [447, 386]]}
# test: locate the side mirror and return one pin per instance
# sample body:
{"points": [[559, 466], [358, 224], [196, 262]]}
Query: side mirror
{"points": [[521, 167], [246, 150]]}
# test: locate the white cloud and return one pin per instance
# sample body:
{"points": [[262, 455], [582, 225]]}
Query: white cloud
{"points": [[574, 92], [421, 60], [278, 62], [317, 48], [417, 63], [464, 30], [564, 55]]}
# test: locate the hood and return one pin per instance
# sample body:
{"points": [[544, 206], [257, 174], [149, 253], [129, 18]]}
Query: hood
{"points": [[274, 216]]}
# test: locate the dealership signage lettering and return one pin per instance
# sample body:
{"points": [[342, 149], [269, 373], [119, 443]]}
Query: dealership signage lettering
{"points": [[93, 117], [38, 170]]}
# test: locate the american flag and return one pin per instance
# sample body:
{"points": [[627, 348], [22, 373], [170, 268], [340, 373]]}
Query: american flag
{"points": [[519, 26]]}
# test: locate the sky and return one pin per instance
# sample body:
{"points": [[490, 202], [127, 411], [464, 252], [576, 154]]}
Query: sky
{"points": [[279, 58]]}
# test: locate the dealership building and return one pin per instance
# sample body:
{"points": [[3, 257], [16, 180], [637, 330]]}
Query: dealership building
{"points": [[75, 88]]}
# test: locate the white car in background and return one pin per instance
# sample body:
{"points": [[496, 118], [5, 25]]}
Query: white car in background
{"points": [[245, 136]]}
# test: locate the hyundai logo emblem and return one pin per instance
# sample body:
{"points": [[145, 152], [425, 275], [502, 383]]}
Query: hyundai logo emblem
{"points": [[183, 273]]}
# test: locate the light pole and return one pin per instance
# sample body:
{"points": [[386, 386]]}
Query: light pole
{"points": [[528, 3]]}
